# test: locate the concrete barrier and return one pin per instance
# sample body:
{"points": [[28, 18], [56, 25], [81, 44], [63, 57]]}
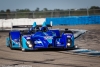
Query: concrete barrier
{"points": [[72, 20], [21, 21]]}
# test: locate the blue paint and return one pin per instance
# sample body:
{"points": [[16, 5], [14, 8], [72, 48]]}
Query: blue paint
{"points": [[87, 52], [95, 53], [74, 20], [34, 24], [24, 43], [44, 24], [81, 51], [15, 34]]}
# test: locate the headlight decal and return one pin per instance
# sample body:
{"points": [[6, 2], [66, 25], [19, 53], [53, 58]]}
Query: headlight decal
{"points": [[69, 42], [29, 44]]}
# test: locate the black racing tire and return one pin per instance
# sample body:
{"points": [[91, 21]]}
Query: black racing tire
{"points": [[10, 42], [21, 46], [21, 41]]}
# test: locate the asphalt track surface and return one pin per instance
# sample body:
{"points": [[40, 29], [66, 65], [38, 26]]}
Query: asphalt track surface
{"points": [[49, 57]]}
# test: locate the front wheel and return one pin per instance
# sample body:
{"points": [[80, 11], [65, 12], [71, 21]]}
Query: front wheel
{"points": [[10, 42], [21, 44]]}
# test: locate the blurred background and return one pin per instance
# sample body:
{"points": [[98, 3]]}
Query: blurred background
{"points": [[37, 13]]}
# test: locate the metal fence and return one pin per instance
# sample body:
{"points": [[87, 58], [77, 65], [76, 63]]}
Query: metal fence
{"points": [[44, 14]]}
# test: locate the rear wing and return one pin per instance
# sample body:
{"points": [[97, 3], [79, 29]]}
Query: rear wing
{"points": [[49, 25], [24, 27], [21, 27]]}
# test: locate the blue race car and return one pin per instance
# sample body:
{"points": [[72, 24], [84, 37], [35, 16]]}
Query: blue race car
{"points": [[43, 38]]}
